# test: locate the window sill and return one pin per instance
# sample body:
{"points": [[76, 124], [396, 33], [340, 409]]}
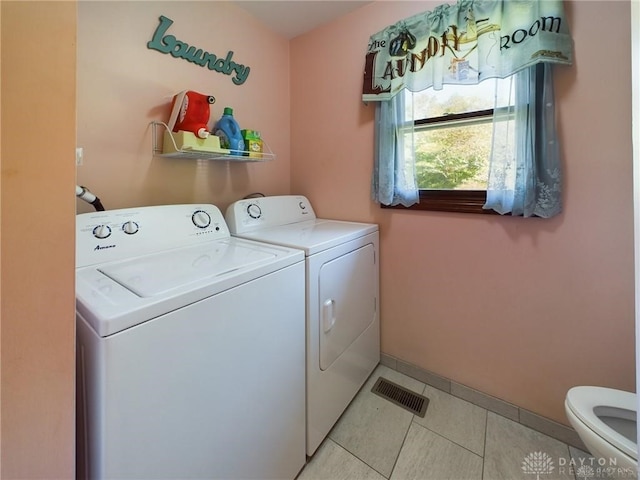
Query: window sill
{"points": [[458, 201]]}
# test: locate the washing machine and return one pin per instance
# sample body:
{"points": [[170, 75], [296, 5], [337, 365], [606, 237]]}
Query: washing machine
{"points": [[342, 298], [190, 348]]}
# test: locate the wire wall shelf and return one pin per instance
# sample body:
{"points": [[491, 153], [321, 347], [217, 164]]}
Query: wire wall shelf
{"points": [[158, 130]]}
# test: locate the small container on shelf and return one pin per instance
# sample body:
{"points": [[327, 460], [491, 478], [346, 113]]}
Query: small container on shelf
{"points": [[188, 141], [252, 143], [228, 130]]}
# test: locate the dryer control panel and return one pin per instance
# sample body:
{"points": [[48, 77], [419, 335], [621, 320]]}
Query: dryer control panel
{"points": [[263, 212], [131, 232]]}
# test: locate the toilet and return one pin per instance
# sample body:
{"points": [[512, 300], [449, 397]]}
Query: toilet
{"points": [[605, 420]]}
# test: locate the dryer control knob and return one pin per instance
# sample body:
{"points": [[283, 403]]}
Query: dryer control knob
{"points": [[201, 219], [254, 210], [102, 231], [130, 227]]}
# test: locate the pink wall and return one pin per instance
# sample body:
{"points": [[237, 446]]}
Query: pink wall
{"points": [[556, 309], [521, 309], [123, 85], [37, 243]]}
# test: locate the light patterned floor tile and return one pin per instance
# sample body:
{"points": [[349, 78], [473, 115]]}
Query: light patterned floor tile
{"points": [[376, 439], [332, 462], [456, 419], [516, 452], [428, 456], [372, 428]]}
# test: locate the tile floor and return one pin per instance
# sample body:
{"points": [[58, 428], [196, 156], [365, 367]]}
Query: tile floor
{"points": [[376, 440]]}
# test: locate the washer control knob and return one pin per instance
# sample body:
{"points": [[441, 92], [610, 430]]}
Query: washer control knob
{"points": [[254, 210], [102, 231], [302, 205], [130, 227], [201, 219]]}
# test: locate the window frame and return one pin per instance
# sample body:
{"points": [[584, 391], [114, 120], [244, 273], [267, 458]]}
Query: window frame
{"points": [[458, 201]]}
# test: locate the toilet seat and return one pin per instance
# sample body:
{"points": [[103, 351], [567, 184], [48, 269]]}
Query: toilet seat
{"points": [[583, 402]]}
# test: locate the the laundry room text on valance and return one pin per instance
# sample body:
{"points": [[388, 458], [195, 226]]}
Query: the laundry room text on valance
{"points": [[464, 44]]}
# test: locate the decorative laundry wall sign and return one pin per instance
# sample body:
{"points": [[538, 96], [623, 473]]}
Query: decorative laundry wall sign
{"points": [[169, 44]]}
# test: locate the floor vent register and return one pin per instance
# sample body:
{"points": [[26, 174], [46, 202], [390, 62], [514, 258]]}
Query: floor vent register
{"points": [[416, 404]]}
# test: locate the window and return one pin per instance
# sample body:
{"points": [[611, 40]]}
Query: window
{"points": [[452, 136], [465, 43]]}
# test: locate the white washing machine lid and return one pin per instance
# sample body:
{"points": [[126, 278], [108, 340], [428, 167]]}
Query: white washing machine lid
{"points": [[163, 272], [312, 236], [118, 295]]}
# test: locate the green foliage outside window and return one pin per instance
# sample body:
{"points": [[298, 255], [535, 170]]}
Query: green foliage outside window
{"points": [[454, 156]]}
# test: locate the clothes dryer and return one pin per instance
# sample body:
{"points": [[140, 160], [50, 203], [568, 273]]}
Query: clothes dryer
{"points": [[190, 348], [342, 298]]}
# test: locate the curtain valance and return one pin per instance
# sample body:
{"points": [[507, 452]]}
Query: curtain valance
{"points": [[464, 44]]}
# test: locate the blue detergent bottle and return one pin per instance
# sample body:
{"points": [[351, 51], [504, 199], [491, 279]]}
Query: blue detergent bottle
{"points": [[229, 132]]}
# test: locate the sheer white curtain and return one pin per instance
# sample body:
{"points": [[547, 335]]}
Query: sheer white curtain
{"points": [[394, 177], [524, 167], [525, 171]]}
